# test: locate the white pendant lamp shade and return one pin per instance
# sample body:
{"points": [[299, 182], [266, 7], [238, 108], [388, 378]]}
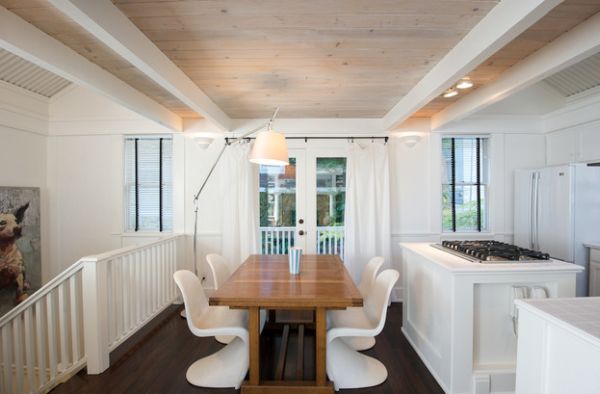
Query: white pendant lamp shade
{"points": [[269, 149]]}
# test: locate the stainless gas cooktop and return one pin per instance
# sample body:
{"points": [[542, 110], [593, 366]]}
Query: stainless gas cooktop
{"points": [[492, 252]]}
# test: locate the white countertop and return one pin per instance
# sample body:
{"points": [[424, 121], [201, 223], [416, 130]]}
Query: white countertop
{"points": [[459, 265], [580, 315], [593, 245]]}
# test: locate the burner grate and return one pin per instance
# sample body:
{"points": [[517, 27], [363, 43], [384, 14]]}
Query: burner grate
{"points": [[493, 251]]}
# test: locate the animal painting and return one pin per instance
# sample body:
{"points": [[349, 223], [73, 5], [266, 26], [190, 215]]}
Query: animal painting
{"points": [[12, 266]]}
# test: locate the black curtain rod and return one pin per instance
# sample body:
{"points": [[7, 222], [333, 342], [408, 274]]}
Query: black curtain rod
{"points": [[227, 139]]}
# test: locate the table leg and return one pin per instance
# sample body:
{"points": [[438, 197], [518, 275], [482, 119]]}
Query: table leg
{"points": [[321, 347], [254, 331]]}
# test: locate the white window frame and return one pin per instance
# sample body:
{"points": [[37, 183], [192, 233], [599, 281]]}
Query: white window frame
{"points": [[488, 212], [144, 233]]}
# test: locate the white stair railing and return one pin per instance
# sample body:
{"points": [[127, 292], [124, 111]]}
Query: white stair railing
{"points": [[80, 316]]}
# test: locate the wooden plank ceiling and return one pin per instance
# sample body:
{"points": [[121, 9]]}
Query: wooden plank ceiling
{"points": [[313, 58], [561, 19], [45, 17]]}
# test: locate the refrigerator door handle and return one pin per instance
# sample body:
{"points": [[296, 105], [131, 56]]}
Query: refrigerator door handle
{"points": [[537, 212], [532, 211]]}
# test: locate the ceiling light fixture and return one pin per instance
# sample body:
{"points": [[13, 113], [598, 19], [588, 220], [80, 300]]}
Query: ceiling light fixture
{"points": [[464, 83], [450, 93]]}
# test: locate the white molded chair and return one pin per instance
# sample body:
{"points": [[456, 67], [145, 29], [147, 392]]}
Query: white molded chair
{"points": [[366, 284], [227, 367], [346, 367], [369, 275], [219, 268]]}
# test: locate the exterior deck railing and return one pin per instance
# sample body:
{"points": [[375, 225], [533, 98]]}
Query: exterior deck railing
{"points": [[277, 240]]}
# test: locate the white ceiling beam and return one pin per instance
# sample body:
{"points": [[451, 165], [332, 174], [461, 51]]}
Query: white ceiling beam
{"points": [[568, 49], [501, 25], [30, 43], [108, 24]]}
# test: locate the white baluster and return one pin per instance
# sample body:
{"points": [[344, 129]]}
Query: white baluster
{"points": [[40, 323], [127, 300], [160, 275], [117, 271], [63, 326], [75, 318], [172, 294], [29, 348], [52, 337], [153, 284], [18, 352], [149, 290], [7, 341], [144, 283], [139, 290]]}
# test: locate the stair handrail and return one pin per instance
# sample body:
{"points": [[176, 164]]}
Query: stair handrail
{"points": [[68, 272], [41, 292]]}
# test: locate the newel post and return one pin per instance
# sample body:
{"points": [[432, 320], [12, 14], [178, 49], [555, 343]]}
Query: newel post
{"points": [[95, 315]]}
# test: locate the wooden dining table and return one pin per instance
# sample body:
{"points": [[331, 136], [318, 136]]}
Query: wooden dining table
{"points": [[264, 282]]}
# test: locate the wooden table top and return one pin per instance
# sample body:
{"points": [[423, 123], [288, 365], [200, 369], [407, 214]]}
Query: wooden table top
{"points": [[265, 281]]}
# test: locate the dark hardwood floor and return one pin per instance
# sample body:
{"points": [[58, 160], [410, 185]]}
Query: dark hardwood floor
{"points": [[156, 361]]}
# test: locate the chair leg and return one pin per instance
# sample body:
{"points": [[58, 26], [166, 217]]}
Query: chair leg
{"points": [[226, 368], [349, 369]]}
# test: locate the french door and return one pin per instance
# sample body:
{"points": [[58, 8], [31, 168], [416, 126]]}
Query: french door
{"points": [[303, 204]]}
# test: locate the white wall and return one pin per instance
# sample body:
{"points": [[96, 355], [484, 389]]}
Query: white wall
{"points": [[85, 175], [23, 124]]}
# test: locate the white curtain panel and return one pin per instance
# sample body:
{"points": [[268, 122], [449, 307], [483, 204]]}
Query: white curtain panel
{"points": [[239, 191], [367, 215]]}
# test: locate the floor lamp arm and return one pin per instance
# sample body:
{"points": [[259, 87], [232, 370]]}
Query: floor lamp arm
{"points": [[212, 169]]}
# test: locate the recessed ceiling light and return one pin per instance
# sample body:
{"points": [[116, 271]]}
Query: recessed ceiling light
{"points": [[465, 83], [450, 93]]}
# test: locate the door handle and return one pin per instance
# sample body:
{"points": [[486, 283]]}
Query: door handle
{"points": [[301, 232]]}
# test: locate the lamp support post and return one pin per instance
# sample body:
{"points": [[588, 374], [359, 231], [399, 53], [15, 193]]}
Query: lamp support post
{"points": [[212, 169], [203, 185]]}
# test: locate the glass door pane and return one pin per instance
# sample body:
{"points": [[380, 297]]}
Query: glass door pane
{"points": [[279, 205], [330, 204]]}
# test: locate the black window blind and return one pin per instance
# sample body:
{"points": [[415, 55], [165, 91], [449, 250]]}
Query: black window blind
{"points": [[148, 183], [464, 188]]}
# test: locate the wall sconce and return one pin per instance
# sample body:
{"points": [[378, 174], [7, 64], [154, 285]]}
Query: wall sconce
{"points": [[203, 142], [203, 139], [409, 139]]}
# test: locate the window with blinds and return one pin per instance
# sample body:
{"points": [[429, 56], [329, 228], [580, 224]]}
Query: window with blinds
{"points": [[465, 175], [148, 183]]}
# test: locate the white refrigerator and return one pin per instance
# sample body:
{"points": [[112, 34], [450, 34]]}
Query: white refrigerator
{"points": [[557, 209]]}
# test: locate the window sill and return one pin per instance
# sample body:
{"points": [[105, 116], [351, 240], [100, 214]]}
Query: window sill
{"points": [[142, 234]]}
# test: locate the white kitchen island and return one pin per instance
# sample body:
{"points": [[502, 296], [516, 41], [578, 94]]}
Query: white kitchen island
{"points": [[458, 314], [559, 346]]}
